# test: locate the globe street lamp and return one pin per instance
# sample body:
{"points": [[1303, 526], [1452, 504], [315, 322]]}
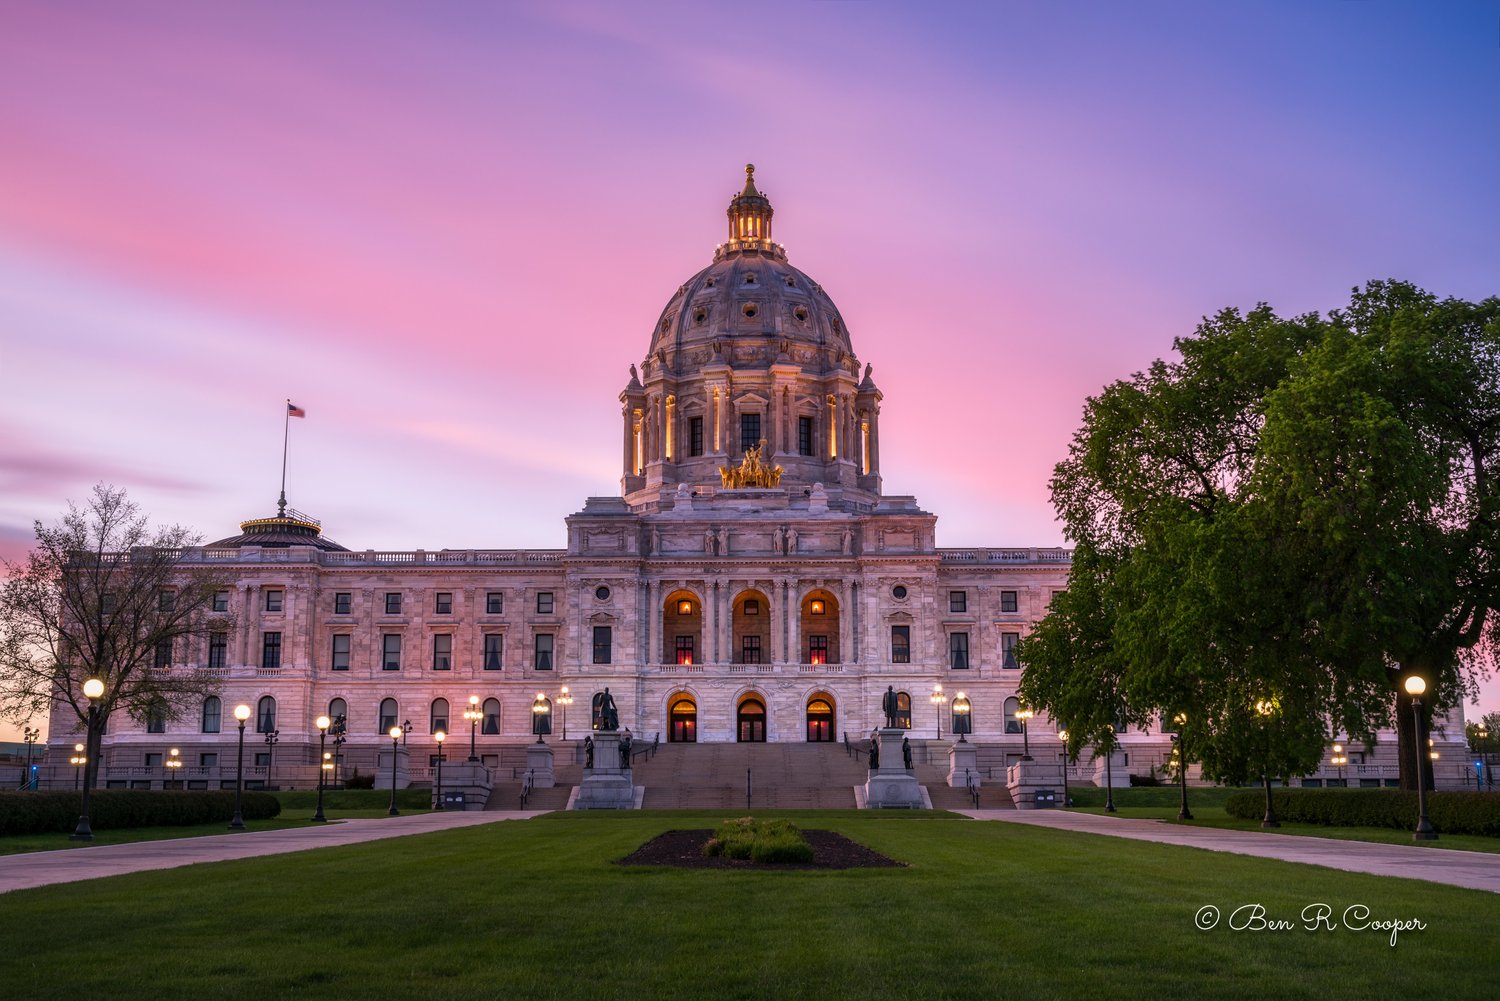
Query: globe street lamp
{"points": [[93, 690], [1180, 752], [1062, 756], [541, 717], [322, 723], [241, 713], [30, 736], [1415, 686], [963, 722], [473, 714], [1109, 772], [938, 700], [340, 733], [440, 736], [1338, 760], [565, 700], [174, 766], [77, 761], [1264, 709], [396, 734], [273, 737], [1024, 715]]}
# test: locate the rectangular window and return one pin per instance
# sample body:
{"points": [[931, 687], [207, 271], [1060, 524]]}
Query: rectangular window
{"points": [[211, 709], [163, 654], [270, 650], [156, 722], [494, 651], [900, 644], [750, 650], [695, 436], [544, 643], [442, 652], [262, 759], [165, 600], [1007, 601], [684, 648], [751, 606], [1008, 643], [958, 601], [343, 603], [603, 644], [804, 436], [393, 603], [153, 758], [208, 759], [494, 603], [444, 603], [817, 649], [390, 658], [341, 652], [221, 601], [218, 649], [544, 603], [958, 651], [107, 603], [749, 431], [273, 600]]}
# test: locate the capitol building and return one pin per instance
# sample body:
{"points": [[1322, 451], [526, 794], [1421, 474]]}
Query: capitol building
{"points": [[753, 582]]}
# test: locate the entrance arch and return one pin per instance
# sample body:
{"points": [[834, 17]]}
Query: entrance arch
{"points": [[820, 719], [682, 720], [750, 720], [752, 628], [820, 628], [682, 629]]}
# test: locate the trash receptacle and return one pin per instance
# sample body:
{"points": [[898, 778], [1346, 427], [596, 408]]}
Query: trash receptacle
{"points": [[454, 800], [1046, 797]]}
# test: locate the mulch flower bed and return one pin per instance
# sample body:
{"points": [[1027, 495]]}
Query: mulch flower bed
{"points": [[684, 849]]}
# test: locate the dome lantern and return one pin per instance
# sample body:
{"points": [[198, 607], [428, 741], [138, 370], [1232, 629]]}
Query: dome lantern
{"points": [[750, 215]]}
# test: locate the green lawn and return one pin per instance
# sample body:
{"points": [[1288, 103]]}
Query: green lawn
{"points": [[537, 909], [297, 809]]}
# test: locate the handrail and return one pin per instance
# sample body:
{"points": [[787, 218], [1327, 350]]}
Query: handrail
{"points": [[526, 787], [972, 783]]}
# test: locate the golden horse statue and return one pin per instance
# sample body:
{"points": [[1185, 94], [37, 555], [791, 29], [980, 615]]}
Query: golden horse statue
{"points": [[752, 471]]}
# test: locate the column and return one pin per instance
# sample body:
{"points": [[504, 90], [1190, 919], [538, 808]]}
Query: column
{"points": [[875, 438], [671, 426], [626, 465], [794, 627]]}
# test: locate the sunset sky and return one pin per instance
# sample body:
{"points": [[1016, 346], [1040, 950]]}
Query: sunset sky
{"points": [[447, 229]]}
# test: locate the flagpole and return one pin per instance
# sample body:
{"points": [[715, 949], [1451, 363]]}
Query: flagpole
{"points": [[286, 431]]}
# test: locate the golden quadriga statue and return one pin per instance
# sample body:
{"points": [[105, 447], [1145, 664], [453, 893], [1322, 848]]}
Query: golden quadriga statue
{"points": [[751, 472]]}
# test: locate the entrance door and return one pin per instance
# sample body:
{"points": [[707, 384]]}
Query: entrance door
{"points": [[819, 722], [752, 722], [682, 722]]}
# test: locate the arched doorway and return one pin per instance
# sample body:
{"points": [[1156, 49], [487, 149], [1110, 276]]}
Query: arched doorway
{"points": [[752, 629], [750, 721], [819, 720], [682, 629], [682, 720], [820, 628], [903, 710]]}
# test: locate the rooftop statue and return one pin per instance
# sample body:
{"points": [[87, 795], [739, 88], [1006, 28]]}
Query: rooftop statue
{"points": [[752, 471]]}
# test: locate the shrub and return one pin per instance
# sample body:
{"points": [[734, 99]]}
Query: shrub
{"points": [[118, 809], [759, 841], [358, 781], [1145, 780], [1450, 812]]}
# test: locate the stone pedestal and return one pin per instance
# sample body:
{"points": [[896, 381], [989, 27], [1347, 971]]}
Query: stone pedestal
{"points": [[470, 778], [1116, 774], [606, 786], [383, 774], [539, 764], [1025, 779], [963, 761], [891, 786]]}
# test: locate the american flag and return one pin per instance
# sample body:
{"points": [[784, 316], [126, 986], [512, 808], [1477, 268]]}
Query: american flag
{"points": [[292, 410]]}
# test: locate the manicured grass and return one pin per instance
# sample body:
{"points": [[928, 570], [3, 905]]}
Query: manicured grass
{"points": [[538, 909], [297, 809]]}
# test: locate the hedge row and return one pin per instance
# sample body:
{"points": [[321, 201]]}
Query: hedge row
{"points": [[116, 809], [1450, 812]]}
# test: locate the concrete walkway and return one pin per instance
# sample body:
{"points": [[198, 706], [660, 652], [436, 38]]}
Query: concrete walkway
{"points": [[20, 872], [1474, 870]]}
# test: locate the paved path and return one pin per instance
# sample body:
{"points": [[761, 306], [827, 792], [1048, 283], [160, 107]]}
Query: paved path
{"points": [[1475, 870], [19, 872]]}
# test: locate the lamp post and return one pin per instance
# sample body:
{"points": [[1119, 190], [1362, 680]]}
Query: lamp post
{"points": [[440, 736], [1264, 709], [396, 734], [93, 690], [962, 721], [1179, 748], [1338, 760], [30, 735], [1024, 715], [273, 737], [322, 723], [77, 761], [241, 713], [1062, 756], [405, 729], [340, 733], [174, 765], [938, 700], [473, 714], [541, 723], [565, 700], [1415, 686], [1482, 735], [1109, 772]]}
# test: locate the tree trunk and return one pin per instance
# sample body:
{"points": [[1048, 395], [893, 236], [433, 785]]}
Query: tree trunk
{"points": [[1412, 753]]}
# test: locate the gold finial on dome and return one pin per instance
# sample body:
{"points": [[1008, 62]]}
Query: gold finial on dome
{"points": [[750, 180], [750, 221]]}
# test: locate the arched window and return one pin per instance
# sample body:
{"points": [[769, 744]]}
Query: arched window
{"points": [[213, 712], [1012, 724], [682, 721], [491, 722], [750, 721], [819, 720], [903, 710], [265, 715], [337, 708], [387, 715], [439, 716]]}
